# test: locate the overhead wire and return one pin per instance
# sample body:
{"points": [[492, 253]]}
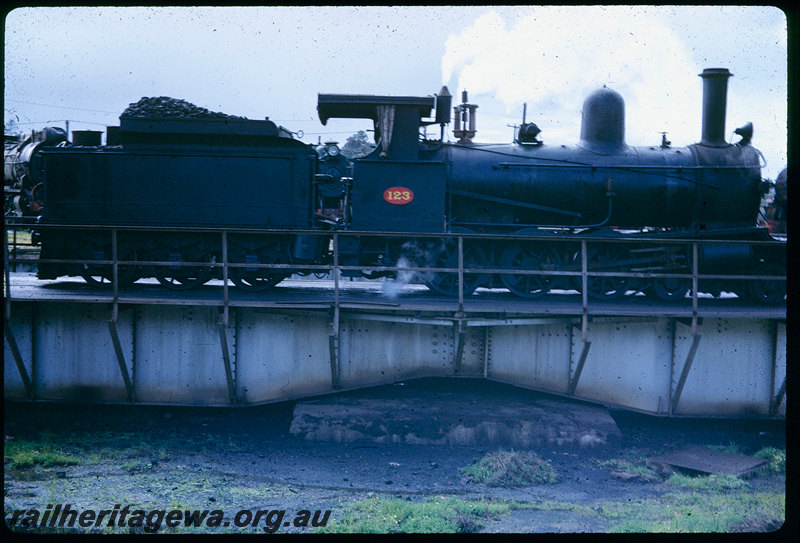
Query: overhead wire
{"points": [[60, 106]]}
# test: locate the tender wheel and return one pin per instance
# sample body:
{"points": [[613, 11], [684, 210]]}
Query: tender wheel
{"points": [[671, 288], [258, 279], [101, 275], [445, 255], [96, 275], [765, 290], [177, 277], [517, 257]]}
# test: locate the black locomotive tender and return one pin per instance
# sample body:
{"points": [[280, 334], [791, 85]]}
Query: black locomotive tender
{"points": [[192, 168]]}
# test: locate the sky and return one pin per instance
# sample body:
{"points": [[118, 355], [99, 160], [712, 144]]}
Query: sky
{"points": [[87, 64]]}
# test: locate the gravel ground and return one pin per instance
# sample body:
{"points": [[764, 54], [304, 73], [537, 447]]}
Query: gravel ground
{"points": [[233, 459]]}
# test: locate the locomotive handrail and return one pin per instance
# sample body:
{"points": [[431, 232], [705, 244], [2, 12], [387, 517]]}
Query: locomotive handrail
{"points": [[477, 236], [336, 268], [642, 168], [330, 267], [559, 236], [551, 162], [516, 203]]}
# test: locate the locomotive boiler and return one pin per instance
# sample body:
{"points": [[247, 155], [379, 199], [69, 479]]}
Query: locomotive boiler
{"points": [[600, 187], [213, 171]]}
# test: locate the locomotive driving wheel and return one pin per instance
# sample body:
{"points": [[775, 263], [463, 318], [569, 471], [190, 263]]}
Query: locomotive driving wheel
{"points": [[604, 259], [174, 274], [671, 288], [257, 279], [671, 260], [529, 258], [766, 290], [445, 255]]}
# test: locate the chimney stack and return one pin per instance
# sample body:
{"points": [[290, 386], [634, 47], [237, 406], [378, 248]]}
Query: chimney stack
{"points": [[715, 95]]}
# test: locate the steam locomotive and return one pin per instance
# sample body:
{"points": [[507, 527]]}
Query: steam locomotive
{"points": [[283, 199]]}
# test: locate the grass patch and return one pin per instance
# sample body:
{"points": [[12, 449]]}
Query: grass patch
{"points": [[24, 238], [776, 459], [556, 505], [628, 470], [101, 446], [717, 482], [509, 468], [716, 503], [698, 512], [26, 454], [731, 448], [434, 515]]}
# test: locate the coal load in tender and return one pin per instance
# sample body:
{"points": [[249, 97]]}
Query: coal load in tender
{"points": [[164, 107]]}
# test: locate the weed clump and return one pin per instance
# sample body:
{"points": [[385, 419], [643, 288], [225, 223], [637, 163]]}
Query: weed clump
{"points": [[434, 515], [509, 468], [625, 470], [717, 482], [776, 459], [26, 454], [730, 448]]}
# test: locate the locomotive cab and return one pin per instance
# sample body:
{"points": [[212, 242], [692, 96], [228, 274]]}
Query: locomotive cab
{"points": [[393, 190]]}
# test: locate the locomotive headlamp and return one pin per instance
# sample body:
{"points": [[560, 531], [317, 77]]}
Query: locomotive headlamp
{"points": [[333, 150]]}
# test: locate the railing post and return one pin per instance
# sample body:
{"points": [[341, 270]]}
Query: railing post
{"points": [[573, 383], [335, 270], [333, 339], [695, 285], [460, 274], [112, 324], [225, 315], [687, 365], [7, 275], [114, 275], [775, 399], [15, 250], [584, 292], [223, 324]]}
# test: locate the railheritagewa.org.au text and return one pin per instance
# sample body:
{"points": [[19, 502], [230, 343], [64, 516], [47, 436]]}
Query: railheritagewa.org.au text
{"points": [[69, 517]]}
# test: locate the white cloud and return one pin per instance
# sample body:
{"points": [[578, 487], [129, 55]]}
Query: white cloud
{"points": [[552, 57], [557, 55]]}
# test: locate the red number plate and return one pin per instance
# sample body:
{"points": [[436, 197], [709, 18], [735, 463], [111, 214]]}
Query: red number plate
{"points": [[398, 196]]}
